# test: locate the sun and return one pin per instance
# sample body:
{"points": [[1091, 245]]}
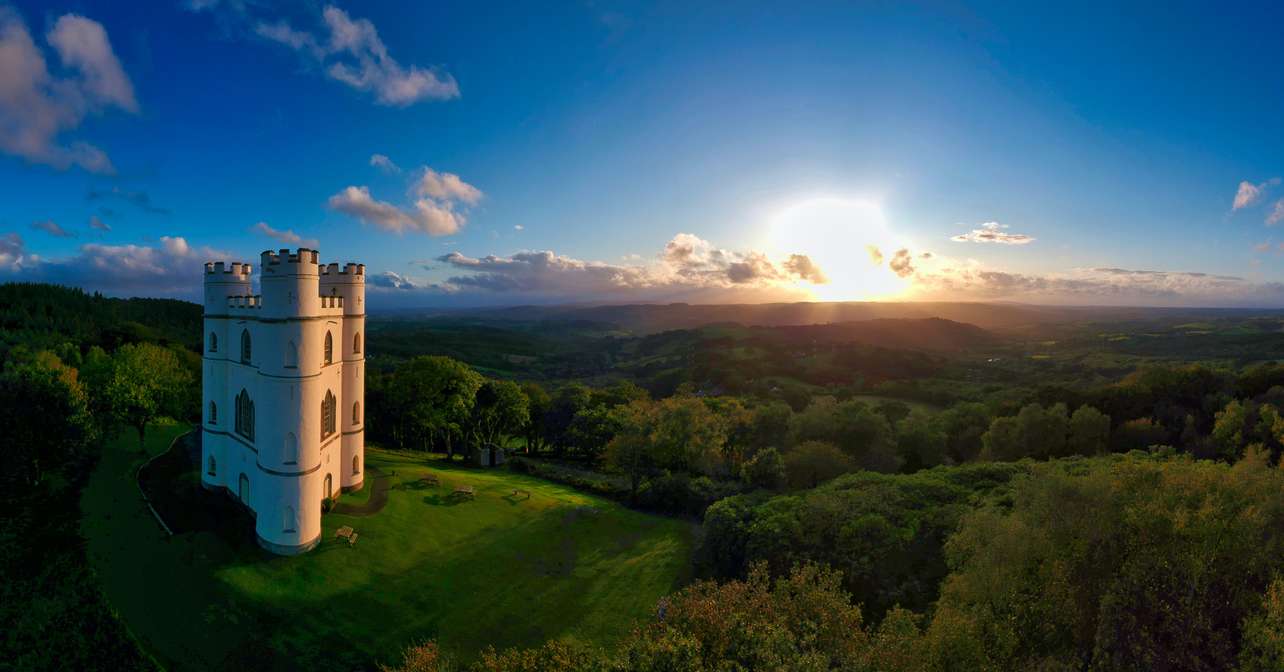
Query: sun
{"points": [[838, 235]]}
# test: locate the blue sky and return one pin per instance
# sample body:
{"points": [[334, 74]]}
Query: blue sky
{"points": [[722, 152]]}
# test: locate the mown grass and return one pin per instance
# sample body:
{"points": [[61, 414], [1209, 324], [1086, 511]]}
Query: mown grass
{"points": [[501, 570]]}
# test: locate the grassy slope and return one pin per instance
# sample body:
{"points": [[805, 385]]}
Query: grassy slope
{"points": [[499, 569]]}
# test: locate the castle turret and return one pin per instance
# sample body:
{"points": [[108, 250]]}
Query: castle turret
{"points": [[349, 286], [283, 386]]}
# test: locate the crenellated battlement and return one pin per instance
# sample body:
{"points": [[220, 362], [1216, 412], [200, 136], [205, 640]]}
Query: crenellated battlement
{"points": [[331, 301], [286, 258], [348, 269], [236, 268]]}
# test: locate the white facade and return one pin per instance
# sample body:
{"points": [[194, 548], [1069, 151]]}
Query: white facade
{"points": [[284, 390]]}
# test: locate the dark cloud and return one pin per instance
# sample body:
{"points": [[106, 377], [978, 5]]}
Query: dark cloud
{"points": [[138, 199], [902, 263], [52, 228]]}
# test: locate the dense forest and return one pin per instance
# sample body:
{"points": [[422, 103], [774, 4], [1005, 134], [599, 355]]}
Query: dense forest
{"points": [[1057, 490]]}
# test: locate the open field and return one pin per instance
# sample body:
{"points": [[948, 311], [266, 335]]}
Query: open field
{"points": [[501, 569]]}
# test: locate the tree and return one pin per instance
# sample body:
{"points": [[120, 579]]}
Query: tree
{"points": [[591, 429], [45, 412], [1262, 647], [919, 442], [963, 425], [1043, 431], [145, 382], [687, 436], [1089, 432], [437, 395], [630, 452], [867, 437], [766, 470], [500, 410], [770, 426], [1002, 441], [538, 404], [569, 399], [811, 463]]}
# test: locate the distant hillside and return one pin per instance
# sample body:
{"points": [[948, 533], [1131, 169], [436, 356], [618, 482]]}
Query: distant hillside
{"points": [[45, 316], [652, 318], [932, 333]]}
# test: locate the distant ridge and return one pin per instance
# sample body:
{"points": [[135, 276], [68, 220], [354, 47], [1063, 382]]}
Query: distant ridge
{"points": [[651, 318]]}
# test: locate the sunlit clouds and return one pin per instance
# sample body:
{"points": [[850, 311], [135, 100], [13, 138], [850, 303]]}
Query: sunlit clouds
{"points": [[993, 232]]}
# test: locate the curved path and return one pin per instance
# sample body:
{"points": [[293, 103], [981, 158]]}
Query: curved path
{"points": [[378, 496]]}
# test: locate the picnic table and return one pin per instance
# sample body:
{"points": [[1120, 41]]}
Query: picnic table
{"points": [[430, 479], [464, 491], [348, 533]]}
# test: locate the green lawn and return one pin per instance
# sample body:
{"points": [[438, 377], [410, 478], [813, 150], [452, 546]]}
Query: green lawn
{"points": [[497, 570]]}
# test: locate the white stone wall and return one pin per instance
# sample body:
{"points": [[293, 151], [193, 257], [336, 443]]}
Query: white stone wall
{"points": [[288, 464]]}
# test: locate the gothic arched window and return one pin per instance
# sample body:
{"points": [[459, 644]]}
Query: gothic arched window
{"points": [[291, 449], [329, 486], [213, 413], [245, 415], [288, 523], [291, 356], [356, 412], [211, 468], [356, 343], [356, 464], [329, 348], [327, 414], [213, 342], [245, 346]]}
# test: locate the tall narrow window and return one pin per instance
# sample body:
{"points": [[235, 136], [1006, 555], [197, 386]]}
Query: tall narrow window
{"points": [[356, 343], [327, 414], [245, 346], [211, 468], [329, 348], [288, 523], [356, 412], [356, 464], [243, 490], [329, 486], [213, 413], [291, 449], [291, 356], [245, 415], [213, 342]]}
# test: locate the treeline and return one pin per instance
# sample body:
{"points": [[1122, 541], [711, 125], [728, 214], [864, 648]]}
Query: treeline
{"points": [[63, 319], [1115, 563]]}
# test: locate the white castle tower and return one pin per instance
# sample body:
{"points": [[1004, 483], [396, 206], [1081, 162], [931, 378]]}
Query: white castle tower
{"points": [[283, 390]]}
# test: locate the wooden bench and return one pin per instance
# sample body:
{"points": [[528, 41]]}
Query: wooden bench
{"points": [[352, 540], [345, 532], [430, 479], [525, 493], [464, 491]]}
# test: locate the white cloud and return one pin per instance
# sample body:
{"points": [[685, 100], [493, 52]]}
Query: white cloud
{"points": [[37, 108], [350, 51], [518, 227], [391, 280], [1277, 214], [1248, 193], [444, 187], [384, 163], [287, 236], [425, 216], [993, 232], [52, 228], [172, 267], [439, 202], [13, 254]]}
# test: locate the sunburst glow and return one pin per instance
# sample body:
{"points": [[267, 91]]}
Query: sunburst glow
{"points": [[837, 234]]}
